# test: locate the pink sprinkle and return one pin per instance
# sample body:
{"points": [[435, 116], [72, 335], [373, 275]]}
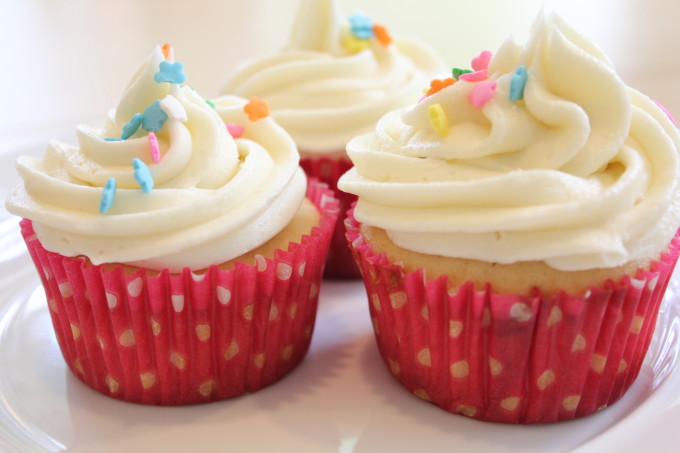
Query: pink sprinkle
{"points": [[235, 130], [668, 114], [154, 148], [475, 76], [421, 99], [482, 93], [482, 61]]}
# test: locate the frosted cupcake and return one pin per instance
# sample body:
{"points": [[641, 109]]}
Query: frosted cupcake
{"points": [[516, 231], [180, 265], [334, 80]]}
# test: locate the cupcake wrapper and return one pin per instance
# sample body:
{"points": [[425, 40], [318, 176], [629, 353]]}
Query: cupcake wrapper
{"points": [[340, 263], [187, 338], [506, 357]]}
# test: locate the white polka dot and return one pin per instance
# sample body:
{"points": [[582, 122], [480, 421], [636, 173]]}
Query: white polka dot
{"points": [[422, 394], [231, 351], [460, 369], [622, 366], [637, 284], [203, 332], [134, 288], [520, 312], [287, 353], [111, 300], [636, 325], [652, 282], [53, 305], [248, 312], [313, 290], [177, 360], [273, 313], [292, 312], [301, 269], [198, 277], [398, 299], [468, 411], [112, 384], [424, 357], [587, 294], [579, 343], [259, 360], [598, 362], [65, 290], [375, 301], [545, 379], [77, 364], [177, 302], [555, 316], [207, 388], [425, 313], [495, 367], [455, 328], [155, 327], [223, 295], [394, 366], [48, 273], [148, 380], [127, 338], [511, 403], [570, 403], [284, 271], [75, 331], [261, 263]]}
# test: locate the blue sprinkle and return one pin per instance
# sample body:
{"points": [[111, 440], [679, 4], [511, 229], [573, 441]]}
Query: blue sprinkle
{"points": [[142, 175], [170, 72], [108, 195], [361, 26], [131, 127], [113, 139], [519, 80], [154, 117]]}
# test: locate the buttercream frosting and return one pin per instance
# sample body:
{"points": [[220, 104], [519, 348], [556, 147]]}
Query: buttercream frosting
{"points": [[214, 197], [324, 89], [582, 172]]}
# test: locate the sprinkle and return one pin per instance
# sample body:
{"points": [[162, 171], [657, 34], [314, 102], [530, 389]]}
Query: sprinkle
{"points": [[168, 52], [481, 62], [131, 127], [142, 175], [482, 93], [154, 149], [112, 139], [361, 26], [154, 117], [173, 108], [210, 103], [256, 109], [107, 195], [457, 72], [170, 72], [517, 83], [439, 84], [235, 130], [353, 44], [668, 114], [438, 119], [474, 76], [382, 35]]}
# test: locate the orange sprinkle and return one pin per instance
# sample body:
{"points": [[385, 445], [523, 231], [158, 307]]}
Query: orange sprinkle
{"points": [[256, 109], [382, 35], [438, 85], [168, 52]]}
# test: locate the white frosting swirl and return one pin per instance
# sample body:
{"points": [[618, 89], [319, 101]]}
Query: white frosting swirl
{"points": [[214, 198], [322, 94], [582, 173]]}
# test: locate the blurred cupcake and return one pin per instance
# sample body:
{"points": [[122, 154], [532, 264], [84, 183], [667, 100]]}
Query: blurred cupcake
{"points": [[333, 81], [516, 231], [180, 265]]}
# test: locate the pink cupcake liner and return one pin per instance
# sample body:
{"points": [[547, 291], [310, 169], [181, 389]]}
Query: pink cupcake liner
{"points": [[340, 263], [173, 339], [511, 358]]}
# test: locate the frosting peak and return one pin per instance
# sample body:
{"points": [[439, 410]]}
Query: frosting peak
{"points": [[163, 184], [541, 153]]}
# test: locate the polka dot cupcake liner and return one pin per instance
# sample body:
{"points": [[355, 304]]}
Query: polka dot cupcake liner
{"points": [[340, 263], [174, 339], [511, 358]]}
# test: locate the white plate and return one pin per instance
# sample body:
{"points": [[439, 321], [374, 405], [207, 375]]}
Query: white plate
{"points": [[340, 399]]}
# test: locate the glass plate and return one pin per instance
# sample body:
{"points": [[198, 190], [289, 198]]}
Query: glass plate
{"points": [[340, 399]]}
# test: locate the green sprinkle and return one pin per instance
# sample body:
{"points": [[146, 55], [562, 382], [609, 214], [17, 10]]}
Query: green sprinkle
{"points": [[210, 104], [457, 72]]}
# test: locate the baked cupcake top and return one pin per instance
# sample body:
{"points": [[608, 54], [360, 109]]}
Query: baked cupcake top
{"points": [[336, 77], [163, 184], [540, 153]]}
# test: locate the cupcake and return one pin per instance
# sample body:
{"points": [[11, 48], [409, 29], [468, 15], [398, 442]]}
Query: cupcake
{"points": [[180, 265], [516, 231], [336, 77]]}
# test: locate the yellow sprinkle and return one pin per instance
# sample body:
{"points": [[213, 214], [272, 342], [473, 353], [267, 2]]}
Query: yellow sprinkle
{"points": [[438, 119], [353, 44]]}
